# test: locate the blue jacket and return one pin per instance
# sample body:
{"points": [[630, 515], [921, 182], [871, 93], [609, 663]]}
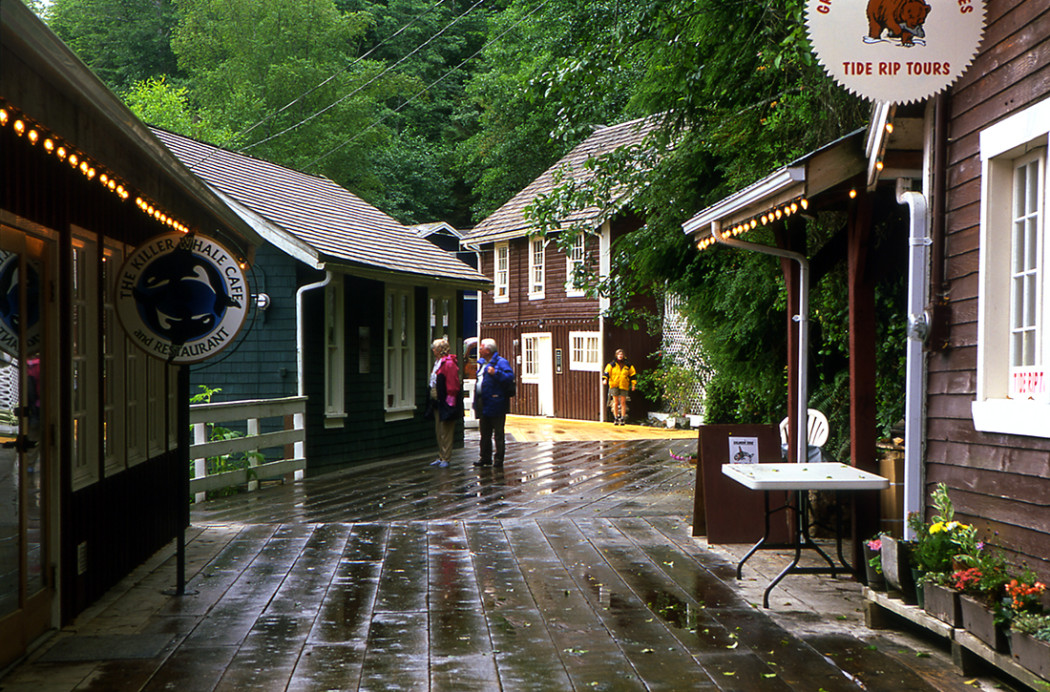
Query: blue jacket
{"points": [[491, 399]]}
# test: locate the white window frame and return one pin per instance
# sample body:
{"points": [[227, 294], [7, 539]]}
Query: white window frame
{"points": [[501, 272], [114, 369], [443, 323], [530, 371], [335, 353], [1012, 141], [399, 379], [574, 257], [537, 267], [588, 357], [83, 317]]}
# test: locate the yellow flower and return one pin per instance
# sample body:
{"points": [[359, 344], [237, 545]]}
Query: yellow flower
{"points": [[937, 528]]}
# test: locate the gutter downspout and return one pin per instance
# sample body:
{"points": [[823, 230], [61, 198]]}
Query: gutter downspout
{"points": [[300, 419], [802, 421], [918, 328]]}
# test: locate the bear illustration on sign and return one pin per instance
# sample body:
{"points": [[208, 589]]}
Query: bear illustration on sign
{"points": [[901, 19]]}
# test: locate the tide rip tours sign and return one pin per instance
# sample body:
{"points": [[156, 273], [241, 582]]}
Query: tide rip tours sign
{"points": [[182, 298], [895, 51]]}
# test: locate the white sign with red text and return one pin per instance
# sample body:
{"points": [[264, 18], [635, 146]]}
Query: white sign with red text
{"points": [[896, 51]]}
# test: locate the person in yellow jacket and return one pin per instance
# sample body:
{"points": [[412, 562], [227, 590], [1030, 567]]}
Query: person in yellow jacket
{"points": [[621, 376]]}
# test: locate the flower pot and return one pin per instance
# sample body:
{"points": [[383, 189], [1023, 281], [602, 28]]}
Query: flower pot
{"points": [[896, 558], [942, 603], [876, 580], [979, 620], [1032, 653], [920, 592]]}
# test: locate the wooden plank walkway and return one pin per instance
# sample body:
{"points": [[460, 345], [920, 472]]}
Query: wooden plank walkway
{"points": [[572, 568]]}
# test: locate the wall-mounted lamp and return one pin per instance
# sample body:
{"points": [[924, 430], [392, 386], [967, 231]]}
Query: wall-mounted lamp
{"points": [[262, 301]]}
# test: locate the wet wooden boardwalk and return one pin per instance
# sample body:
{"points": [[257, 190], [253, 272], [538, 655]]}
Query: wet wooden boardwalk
{"points": [[572, 568]]}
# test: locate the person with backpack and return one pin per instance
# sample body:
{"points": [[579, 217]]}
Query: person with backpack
{"points": [[495, 385], [621, 377]]}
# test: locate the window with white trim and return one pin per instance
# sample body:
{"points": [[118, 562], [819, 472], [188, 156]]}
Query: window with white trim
{"points": [[584, 352], [537, 248], [114, 368], [399, 361], [501, 269], [530, 371], [335, 352], [83, 317], [442, 317], [574, 259], [1013, 348]]}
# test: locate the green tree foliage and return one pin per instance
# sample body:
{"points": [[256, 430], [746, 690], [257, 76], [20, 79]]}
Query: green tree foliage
{"points": [[158, 103], [122, 42]]}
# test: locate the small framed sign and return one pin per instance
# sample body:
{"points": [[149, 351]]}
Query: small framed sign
{"points": [[743, 450]]}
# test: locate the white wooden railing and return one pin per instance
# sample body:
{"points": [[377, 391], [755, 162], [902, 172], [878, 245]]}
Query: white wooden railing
{"points": [[252, 411]]}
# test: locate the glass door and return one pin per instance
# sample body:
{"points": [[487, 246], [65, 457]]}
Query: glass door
{"points": [[26, 589]]}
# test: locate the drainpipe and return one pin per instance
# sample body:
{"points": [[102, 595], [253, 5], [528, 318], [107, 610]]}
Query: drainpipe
{"points": [[802, 421], [918, 327], [300, 420]]}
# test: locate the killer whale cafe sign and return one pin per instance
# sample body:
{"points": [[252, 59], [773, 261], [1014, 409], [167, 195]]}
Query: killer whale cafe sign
{"points": [[182, 298], [895, 51]]}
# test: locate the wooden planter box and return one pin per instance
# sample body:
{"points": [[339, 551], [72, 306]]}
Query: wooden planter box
{"points": [[896, 566], [943, 604], [1032, 653], [979, 620]]}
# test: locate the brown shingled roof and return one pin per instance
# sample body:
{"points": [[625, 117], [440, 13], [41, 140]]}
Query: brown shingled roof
{"points": [[341, 227], [509, 220]]}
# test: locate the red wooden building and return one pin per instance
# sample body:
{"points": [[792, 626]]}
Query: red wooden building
{"points": [[555, 334]]}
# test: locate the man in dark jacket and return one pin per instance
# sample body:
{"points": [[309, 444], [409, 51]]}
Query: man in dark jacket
{"points": [[491, 402]]}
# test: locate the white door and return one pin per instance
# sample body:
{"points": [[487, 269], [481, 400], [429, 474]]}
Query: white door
{"points": [[545, 374]]}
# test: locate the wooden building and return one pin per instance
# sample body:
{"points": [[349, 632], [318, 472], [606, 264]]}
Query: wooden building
{"points": [[970, 166], [554, 334], [94, 452], [987, 406], [355, 294]]}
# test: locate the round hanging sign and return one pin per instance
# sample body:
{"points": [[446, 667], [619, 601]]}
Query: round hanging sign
{"points": [[182, 298], [896, 51]]}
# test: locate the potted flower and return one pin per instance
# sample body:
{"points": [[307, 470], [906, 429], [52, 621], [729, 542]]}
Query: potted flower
{"points": [[1030, 642], [873, 563], [934, 546], [981, 579]]}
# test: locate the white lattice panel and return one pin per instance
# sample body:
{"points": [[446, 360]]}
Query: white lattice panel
{"points": [[679, 344]]}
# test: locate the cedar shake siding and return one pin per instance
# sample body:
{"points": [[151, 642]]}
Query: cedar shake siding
{"points": [[1000, 482]]}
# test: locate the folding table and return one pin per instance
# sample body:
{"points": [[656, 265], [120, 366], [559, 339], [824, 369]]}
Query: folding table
{"points": [[801, 478]]}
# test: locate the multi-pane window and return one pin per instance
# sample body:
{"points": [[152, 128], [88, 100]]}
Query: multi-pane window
{"points": [[536, 254], [501, 270], [1025, 265], [83, 316], [530, 357], [584, 352], [335, 354], [442, 318], [1013, 389], [574, 259], [114, 369], [398, 339]]}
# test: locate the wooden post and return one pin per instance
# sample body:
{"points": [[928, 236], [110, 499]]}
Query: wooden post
{"points": [[862, 368]]}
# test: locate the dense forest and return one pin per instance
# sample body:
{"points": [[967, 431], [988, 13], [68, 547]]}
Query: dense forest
{"points": [[443, 109]]}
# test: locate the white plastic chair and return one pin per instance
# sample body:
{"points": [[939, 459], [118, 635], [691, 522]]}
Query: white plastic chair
{"points": [[816, 427]]}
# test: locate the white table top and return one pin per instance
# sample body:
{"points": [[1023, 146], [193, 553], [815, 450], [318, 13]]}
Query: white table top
{"points": [[805, 476]]}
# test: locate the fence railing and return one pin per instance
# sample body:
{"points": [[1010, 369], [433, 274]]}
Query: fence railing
{"points": [[251, 412]]}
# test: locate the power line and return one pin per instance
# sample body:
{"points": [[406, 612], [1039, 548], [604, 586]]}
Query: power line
{"points": [[363, 86], [314, 88], [424, 89]]}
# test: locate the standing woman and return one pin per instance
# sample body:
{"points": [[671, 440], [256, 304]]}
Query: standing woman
{"points": [[620, 375], [443, 403]]}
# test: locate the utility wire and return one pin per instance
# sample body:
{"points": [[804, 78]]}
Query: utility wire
{"points": [[314, 88], [363, 86], [424, 89]]}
